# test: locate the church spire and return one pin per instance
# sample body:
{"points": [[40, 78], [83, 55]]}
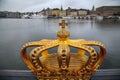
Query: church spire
{"points": [[61, 8], [93, 8]]}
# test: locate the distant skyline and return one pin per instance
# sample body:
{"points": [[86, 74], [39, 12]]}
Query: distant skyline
{"points": [[38, 5]]}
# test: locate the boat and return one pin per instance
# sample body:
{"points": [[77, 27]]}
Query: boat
{"points": [[67, 17], [25, 17], [99, 17], [36, 16]]}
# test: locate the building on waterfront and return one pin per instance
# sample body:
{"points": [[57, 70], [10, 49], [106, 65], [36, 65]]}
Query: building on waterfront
{"points": [[56, 12], [2, 14], [6, 14], [93, 11], [48, 12], [74, 12], [63, 13], [13, 15], [108, 10], [68, 11], [82, 12], [43, 12]]}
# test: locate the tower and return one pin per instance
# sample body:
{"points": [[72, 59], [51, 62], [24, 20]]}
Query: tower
{"points": [[93, 8], [93, 12], [61, 8]]}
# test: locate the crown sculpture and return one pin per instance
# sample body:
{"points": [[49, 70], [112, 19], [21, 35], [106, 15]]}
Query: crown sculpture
{"points": [[63, 65]]}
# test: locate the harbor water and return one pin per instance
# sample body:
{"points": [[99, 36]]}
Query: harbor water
{"points": [[16, 32]]}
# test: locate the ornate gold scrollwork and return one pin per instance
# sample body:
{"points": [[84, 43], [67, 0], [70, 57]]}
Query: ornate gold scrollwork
{"points": [[63, 65]]}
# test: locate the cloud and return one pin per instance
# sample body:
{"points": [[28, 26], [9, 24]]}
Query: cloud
{"points": [[37, 5], [99, 3], [40, 6]]}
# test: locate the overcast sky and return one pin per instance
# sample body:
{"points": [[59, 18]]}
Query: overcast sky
{"points": [[38, 5]]}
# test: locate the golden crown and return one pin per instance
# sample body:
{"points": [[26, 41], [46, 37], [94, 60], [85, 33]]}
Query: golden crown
{"points": [[63, 65]]}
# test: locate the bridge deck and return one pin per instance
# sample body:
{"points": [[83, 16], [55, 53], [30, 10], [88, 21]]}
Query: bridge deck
{"points": [[102, 74]]}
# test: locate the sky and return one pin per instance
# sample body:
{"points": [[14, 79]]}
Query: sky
{"points": [[38, 5]]}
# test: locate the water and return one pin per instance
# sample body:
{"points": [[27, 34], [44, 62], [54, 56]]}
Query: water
{"points": [[16, 32]]}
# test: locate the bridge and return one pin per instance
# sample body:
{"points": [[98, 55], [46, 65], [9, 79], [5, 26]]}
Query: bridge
{"points": [[101, 74]]}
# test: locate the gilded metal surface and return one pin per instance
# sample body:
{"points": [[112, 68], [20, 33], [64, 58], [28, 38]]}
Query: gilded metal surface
{"points": [[63, 65]]}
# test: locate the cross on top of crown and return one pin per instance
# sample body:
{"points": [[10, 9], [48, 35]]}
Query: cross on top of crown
{"points": [[63, 24]]}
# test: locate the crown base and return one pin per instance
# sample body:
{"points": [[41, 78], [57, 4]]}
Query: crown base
{"points": [[61, 78], [50, 63], [77, 61]]}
